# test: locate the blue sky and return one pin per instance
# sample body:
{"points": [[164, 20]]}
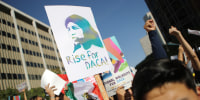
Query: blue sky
{"points": [[120, 18]]}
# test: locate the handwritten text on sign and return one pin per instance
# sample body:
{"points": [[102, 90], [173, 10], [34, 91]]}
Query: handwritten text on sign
{"points": [[94, 60]]}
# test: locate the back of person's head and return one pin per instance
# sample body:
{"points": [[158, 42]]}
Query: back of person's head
{"points": [[157, 74], [36, 98], [60, 97], [33, 98]]}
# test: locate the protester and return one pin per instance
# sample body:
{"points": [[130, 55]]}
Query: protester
{"points": [[159, 52], [187, 48], [36, 98], [120, 92], [124, 94], [164, 80], [191, 55], [24, 90], [50, 92], [181, 54], [157, 48]]}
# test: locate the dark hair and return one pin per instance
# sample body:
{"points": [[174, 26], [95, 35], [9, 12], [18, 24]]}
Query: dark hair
{"points": [[34, 97], [61, 96], [157, 74], [127, 95]]}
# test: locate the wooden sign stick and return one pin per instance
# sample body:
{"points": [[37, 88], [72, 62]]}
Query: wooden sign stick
{"points": [[101, 87]]}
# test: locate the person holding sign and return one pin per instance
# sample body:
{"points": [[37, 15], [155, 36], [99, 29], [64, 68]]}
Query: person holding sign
{"points": [[24, 90], [124, 94], [83, 35], [50, 91], [157, 48]]}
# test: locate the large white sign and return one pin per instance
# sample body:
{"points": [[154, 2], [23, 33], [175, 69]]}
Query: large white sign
{"points": [[78, 40]]}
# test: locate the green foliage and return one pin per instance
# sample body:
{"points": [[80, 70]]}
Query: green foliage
{"points": [[14, 92], [9, 92], [56, 70], [35, 92]]}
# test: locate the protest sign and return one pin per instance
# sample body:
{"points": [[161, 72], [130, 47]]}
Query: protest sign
{"points": [[21, 86], [82, 86], [78, 40], [120, 74], [49, 77]]}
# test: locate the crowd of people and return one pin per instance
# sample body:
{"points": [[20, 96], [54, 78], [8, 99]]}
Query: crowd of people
{"points": [[163, 78], [160, 79]]}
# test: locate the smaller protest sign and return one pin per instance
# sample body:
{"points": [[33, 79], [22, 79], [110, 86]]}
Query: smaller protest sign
{"points": [[120, 74], [53, 79], [21, 86]]}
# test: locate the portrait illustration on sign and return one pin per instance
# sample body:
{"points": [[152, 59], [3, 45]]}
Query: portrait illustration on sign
{"points": [[82, 33]]}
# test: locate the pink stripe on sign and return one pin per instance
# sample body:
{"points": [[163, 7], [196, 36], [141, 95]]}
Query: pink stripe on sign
{"points": [[117, 49]]}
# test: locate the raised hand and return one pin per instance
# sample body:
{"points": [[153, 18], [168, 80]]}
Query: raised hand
{"points": [[50, 90], [174, 31], [149, 25]]}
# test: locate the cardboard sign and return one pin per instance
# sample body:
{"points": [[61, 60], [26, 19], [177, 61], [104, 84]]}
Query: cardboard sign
{"points": [[120, 75], [78, 40]]}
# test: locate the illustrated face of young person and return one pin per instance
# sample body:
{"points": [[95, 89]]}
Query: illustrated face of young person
{"points": [[75, 31], [171, 91]]}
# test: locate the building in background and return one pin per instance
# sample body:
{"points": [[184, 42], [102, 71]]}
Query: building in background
{"points": [[182, 14], [146, 45], [27, 48], [145, 42]]}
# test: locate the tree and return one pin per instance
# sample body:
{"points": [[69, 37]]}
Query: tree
{"points": [[14, 92]]}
